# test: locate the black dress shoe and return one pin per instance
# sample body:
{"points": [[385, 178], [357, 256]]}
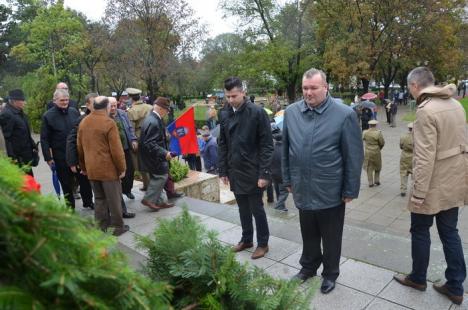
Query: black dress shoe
{"points": [[302, 276], [129, 195], [91, 206], [327, 286], [175, 195], [128, 215]]}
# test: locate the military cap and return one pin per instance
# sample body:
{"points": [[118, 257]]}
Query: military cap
{"points": [[410, 125], [124, 93], [133, 91], [373, 122]]}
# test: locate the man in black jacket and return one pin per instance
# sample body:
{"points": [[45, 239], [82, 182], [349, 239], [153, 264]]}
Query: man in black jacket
{"points": [[56, 125], [71, 103], [245, 151], [15, 126], [72, 155], [154, 155]]}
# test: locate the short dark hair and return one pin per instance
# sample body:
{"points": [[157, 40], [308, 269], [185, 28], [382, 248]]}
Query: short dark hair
{"points": [[101, 105], [135, 97], [90, 96], [233, 82]]}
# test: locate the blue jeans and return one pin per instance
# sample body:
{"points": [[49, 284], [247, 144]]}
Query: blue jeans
{"points": [[446, 222]]}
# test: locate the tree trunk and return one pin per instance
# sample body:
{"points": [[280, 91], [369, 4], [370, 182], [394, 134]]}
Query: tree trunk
{"points": [[365, 85]]}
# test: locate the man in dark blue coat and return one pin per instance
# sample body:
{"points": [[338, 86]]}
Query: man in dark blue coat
{"points": [[322, 161], [209, 153], [154, 155], [245, 151]]}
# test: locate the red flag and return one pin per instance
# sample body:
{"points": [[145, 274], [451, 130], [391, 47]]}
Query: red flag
{"points": [[183, 134]]}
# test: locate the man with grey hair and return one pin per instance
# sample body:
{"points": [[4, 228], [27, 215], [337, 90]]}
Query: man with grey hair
{"points": [[56, 125], [102, 159], [322, 160], [440, 173], [71, 103]]}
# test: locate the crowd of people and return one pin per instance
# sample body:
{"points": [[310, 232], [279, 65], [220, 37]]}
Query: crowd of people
{"points": [[317, 156]]}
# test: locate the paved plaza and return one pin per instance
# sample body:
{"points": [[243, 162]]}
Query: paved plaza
{"points": [[376, 241]]}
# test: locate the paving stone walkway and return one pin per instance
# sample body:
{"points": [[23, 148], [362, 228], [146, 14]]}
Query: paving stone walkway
{"points": [[376, 241]]}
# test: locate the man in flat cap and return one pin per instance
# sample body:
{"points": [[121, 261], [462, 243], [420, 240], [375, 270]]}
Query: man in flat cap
{"points": [[15, 127], [374, 142], [137, 113], [155, 156]]}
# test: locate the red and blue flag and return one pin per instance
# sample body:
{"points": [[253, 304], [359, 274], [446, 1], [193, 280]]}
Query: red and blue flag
{"points": [[183, 134]]}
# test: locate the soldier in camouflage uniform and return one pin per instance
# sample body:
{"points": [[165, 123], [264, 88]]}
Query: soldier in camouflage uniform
{"points": [[374, 142], [136, 114], [406, 158]]}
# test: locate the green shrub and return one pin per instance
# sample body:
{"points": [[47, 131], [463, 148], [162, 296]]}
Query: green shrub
{"points": [[52, 258], [206, 275], [178, 170]]}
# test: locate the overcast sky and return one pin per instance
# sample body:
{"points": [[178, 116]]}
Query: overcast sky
{"points": [[206, 10]]}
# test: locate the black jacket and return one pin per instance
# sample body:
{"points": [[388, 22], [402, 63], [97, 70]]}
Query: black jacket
{"points": [[17, 133], [245, 147], [72, 149], [153, 145], [276, 173], [56, 125]]}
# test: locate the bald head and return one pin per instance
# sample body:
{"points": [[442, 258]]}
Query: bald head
{"points": [[101, 103], [62, 85]]}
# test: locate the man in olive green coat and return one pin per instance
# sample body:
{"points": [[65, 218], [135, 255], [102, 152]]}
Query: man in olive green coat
{"points": [[374, 142], [406, 158], [136, 114]]}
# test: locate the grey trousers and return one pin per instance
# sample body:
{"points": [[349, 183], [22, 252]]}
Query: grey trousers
{"points": [[107, 204], [155, 191]]}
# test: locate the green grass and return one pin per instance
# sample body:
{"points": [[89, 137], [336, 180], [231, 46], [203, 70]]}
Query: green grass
{"points": [[464, 103], [200, 112], [409, 117]]}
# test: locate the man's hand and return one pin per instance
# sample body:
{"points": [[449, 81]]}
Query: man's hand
{"points": [[347, 199], [289, 189], [122, 175], [262, 183], [135, 145], [83, 172], [168, 156], [225, 180], [74, 169], [51, 163], [417, 202]]}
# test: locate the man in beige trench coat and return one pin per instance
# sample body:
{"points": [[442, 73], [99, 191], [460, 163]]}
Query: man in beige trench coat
{"points": [[440, 182]]}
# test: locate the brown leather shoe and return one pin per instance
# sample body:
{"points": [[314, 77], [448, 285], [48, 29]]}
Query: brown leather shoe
{"points": [[166, 205], [260, 252], [150, 205], [404, 280], [242, 246], [443, 289]]}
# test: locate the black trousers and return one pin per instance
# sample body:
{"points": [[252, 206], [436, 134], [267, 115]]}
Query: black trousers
{"points": [[252, 205], [127, 180], [65, 176], [86, 191], [322, 227]]}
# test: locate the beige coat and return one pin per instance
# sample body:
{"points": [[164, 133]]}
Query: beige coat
{"points": [[440, 163], [374, 142], [137, 113]]}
